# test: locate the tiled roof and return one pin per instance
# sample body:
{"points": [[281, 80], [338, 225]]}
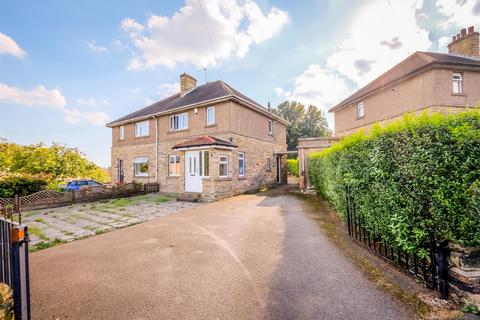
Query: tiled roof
{"points": [[203, 141], [411, 65], [209, 91]]}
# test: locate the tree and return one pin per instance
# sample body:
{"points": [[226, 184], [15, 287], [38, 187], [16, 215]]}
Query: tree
{"points": [[309, 123], [57, 162], [293, 112]]}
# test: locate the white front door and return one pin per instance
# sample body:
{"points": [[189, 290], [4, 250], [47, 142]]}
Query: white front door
{"points": [[193, 180]]}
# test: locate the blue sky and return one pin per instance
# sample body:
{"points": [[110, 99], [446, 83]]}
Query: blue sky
{"points": [[67, 67]]}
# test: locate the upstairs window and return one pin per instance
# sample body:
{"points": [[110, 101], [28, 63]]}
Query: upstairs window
{"points": [[457, 82], [270, 127], [140, 167], [142, 129], [223, 166], [179, 122], [210, 115], [360, 110], [121, 135], [174, 165], [241, 164]]}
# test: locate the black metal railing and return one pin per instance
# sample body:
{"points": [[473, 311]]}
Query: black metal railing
{"points": [[431, 270], [14, 267]]}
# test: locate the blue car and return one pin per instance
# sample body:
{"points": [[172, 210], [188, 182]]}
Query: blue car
{"points": [[79, 184]]}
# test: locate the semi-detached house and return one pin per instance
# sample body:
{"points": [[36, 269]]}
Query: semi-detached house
{"points": [[210, 140]]}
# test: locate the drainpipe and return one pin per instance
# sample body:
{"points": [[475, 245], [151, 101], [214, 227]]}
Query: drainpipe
{"points": [[156, 148]]}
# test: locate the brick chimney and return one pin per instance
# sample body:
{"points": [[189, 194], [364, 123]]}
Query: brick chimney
{"points": [[465, 43], [187, 83]]}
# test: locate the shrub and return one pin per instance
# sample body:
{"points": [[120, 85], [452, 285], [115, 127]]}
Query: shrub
{"points": [[21, 184], [292, 166], [416, 179]]}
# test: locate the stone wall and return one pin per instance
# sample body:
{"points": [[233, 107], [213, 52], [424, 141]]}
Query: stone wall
{"points": [[464, 275]]}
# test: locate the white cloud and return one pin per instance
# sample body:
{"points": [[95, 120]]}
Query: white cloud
{"points": [[369, 48], [97, 48], [43, 97], [9, 46], [372, 46], [182, 38], [75, 116], [460, 14], [38, 96], [130, 25], [316, 86], [168, 89]]}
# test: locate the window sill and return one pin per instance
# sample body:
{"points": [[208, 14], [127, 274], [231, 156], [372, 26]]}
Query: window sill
{"points": [[177, 131], [360, 118], [173, 177], [141, 137], [459, 94], [270, 134], [210, 125], [242, 178], [142, 176]]}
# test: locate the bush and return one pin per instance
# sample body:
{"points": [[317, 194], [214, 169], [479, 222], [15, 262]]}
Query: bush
{"points": [[292, 166], [414, 180], [21, 184]]}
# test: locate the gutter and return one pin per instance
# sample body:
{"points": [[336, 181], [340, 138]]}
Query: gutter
{"points": [[202, 103], [427, 67]]}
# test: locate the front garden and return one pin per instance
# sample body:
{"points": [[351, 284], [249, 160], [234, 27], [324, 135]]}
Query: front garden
{"points": [[49, 227]]}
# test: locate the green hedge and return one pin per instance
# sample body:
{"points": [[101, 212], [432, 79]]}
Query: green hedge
{"points": [[416, 179], [292, 166], [21, 185]]}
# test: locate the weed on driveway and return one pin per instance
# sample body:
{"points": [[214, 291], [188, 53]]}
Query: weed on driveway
{"points": [[49, 227]]}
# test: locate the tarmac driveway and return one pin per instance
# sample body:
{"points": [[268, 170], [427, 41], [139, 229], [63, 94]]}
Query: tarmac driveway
{"points": [[248, 257]]}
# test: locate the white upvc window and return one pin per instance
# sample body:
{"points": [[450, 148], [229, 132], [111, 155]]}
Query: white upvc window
{"points": [[223, 166], [140, 167], [210, 115], [457, 82], [179, 122], [174, 165], [204, 163], [121, 134], [142, 129], [360, 110], [241, 164], [270, 127]]}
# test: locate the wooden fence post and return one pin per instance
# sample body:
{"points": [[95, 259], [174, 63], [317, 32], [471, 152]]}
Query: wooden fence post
{"points": [[16, 205], [73, 196]]}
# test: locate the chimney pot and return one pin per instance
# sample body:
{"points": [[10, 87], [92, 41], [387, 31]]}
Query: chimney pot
{"points": [[464, 44]]}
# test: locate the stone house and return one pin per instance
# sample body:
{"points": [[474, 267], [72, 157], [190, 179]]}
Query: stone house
{"points": [[210, 141], [425, 81]]}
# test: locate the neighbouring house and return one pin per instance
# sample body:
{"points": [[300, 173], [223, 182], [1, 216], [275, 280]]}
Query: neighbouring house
{"points": [[425, 81], [209, 140], [305, 147]]}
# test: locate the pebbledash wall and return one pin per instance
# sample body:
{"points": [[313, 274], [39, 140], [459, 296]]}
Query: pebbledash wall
{"points": [[245, 128], [429, 92]]}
